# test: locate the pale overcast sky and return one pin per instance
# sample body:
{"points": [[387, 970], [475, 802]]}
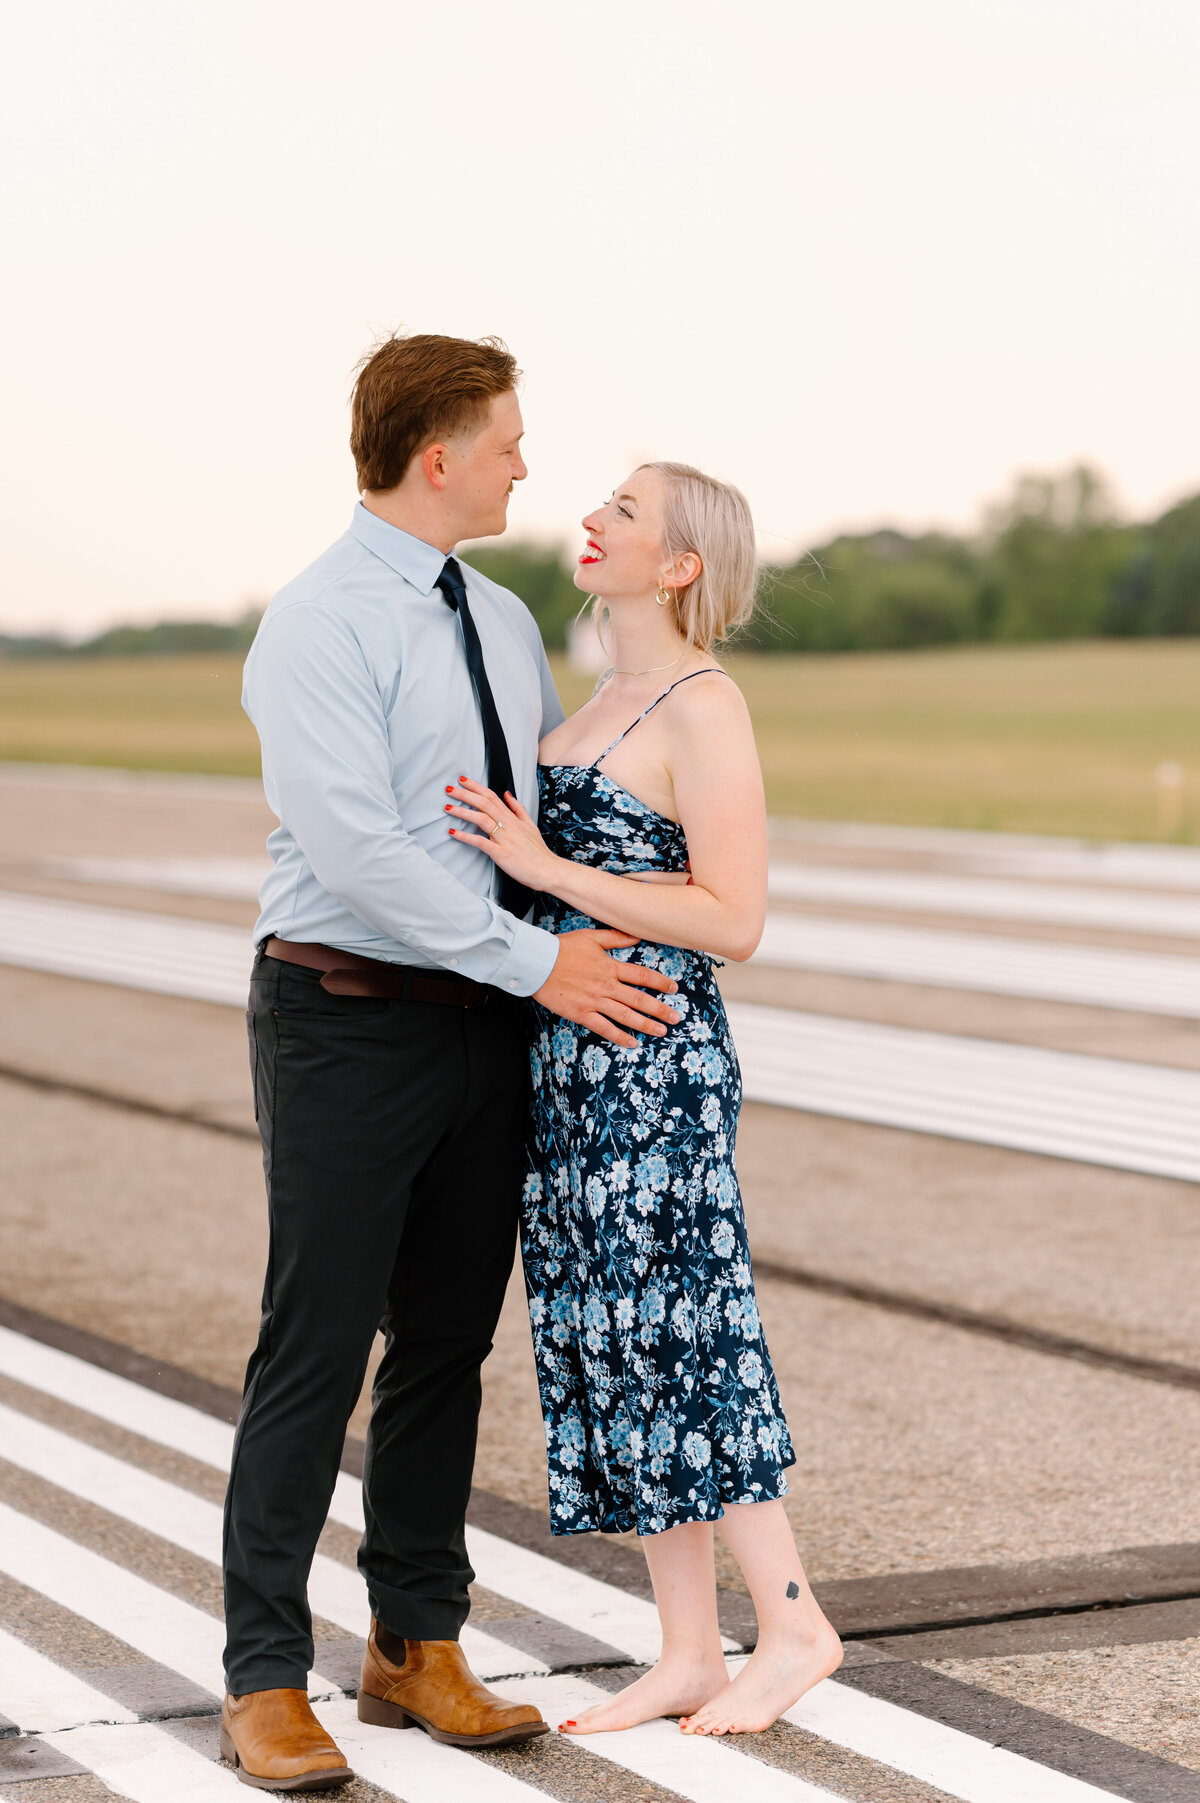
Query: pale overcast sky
{"points": [[865, 259]]}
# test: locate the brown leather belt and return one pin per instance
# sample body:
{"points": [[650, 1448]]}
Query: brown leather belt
{"points": [[346, 973]]}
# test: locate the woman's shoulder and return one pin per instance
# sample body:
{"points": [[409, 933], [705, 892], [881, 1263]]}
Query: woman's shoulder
{"points": [[705, 695]]}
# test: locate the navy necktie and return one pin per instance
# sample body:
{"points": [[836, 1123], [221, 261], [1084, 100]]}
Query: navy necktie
{"points": [[513, 895]]}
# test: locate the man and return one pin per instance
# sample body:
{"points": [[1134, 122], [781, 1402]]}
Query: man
{"points": [[389, 1058]]}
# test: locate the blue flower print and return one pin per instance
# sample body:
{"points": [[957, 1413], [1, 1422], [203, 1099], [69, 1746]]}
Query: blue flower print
{"points": [[595, 1063], [723, 1239], [653, 1170], [697, 1450], [656, 1385]]}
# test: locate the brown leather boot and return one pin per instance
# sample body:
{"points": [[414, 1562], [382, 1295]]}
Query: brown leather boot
{"points": [[435, 1689], [274, 1741]]}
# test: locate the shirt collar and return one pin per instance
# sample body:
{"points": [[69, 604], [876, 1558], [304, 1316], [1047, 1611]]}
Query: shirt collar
{"points": [[418, 562]]}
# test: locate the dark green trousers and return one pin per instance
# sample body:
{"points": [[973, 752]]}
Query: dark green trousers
{"points": [[392, 1143]]}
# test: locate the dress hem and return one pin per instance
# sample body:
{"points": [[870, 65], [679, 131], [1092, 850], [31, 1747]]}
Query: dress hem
{"points": [[630, 1525]]}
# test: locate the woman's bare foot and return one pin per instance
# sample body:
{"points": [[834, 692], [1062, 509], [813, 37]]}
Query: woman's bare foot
{"points": [[776, 1675], [671, 1687]]}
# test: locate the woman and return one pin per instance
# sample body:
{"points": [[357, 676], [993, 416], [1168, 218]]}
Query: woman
{"points": [[661, 1407]]}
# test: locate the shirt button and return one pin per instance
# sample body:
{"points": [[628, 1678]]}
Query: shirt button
{"points": [[512, 982], [454, 963]]}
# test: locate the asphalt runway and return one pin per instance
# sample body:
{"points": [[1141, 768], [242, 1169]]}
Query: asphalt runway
{"points": [[1005, 1526]]}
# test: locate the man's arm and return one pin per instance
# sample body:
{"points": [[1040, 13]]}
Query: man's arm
{"points": [[552, 708], [325, 749]]}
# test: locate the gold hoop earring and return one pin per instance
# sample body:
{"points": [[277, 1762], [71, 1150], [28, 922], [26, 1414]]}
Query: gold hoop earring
{"points": [[662, 595]]}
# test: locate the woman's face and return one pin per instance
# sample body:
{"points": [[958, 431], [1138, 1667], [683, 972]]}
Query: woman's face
{"points": [[623, 555]]}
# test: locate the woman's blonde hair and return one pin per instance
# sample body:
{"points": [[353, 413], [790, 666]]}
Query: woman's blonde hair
{"points": [[712, 519]]}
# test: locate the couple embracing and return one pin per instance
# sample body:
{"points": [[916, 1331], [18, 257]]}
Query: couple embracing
{"points": [[483, 1000]]}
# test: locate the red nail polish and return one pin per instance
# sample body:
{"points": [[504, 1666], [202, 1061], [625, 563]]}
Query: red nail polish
{"points": [[449, 788]]}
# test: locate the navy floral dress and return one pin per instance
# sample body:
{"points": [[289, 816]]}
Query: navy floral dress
{"points": [[656, 1385]]}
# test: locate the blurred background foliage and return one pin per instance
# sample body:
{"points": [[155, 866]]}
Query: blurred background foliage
{"points": [[1052, 561]]}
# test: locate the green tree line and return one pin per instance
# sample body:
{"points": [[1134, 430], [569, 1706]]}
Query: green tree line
{"points": [[1054, 560]]}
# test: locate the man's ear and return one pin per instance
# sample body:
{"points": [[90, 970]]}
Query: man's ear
{"points": [[433, 462]]}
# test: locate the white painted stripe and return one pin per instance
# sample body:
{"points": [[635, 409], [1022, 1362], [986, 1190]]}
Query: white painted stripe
{"points": [[585, 1603], [139, 951], [950, 1760], [1129, 911], [235, 879], [41, 1696], [149, 1619], [703, 1770], [126, 1606], [148, 1765], [1016, 854], [104, 778], [1089, 975], [212, 961], [627, 1622], [1000, 855], [1135, 1117], [116, 1399], [416, 1768], [335, 1592]]}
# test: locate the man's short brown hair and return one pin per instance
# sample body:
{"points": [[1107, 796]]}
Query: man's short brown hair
{"points": [[411, 391]]}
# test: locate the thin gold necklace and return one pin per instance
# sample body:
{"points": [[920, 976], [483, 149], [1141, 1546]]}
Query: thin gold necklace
{"points": [[653, 669]]}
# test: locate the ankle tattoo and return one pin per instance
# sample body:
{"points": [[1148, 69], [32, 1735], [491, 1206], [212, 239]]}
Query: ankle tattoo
{"points": [[792, 1591]]}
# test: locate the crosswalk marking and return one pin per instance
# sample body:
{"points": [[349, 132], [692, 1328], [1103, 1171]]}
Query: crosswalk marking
{"points": [[703, 1770], [40, 1696], [419, 1769], [148, 1765], [625, 1621], [997, 856], [1107, 1111], [115, 1399], [1136, 1117], [1092, 976], [150, 1620], [1089, 976], [335, 1592], [926, 892], [955, 1762], [228, 879], [151, 1766], [583, 1602], [187, 958], [1015, 854]]}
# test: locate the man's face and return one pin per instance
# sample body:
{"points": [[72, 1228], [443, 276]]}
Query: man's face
{"points": [[481, 470]]}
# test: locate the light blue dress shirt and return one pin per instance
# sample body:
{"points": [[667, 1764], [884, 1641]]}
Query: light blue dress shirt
{"points": [[358, 685]]}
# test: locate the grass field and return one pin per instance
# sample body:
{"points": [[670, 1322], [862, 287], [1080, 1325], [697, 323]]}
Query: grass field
{"points": [[1033, 738]]}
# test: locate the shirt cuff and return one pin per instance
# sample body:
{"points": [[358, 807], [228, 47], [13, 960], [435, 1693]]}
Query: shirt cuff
{"points": [[530, 960]]}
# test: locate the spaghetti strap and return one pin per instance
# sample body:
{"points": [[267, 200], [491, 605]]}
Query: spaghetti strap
{"points": [[712, 670]]}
